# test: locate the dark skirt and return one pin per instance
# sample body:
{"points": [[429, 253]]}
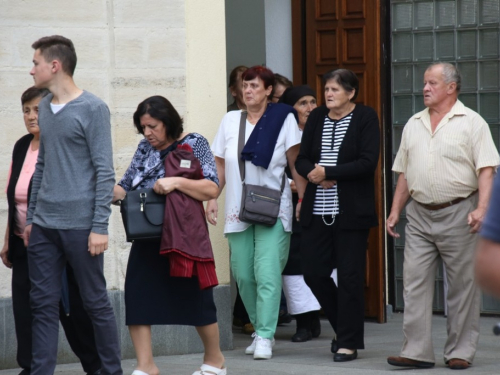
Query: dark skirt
{"points": [[293, 265], [153, 297]]}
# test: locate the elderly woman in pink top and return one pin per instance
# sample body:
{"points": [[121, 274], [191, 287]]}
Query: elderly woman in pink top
{"points": [[74, 319]]}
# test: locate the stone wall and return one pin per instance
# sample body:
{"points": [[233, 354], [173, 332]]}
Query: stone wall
{"points": [[127, 51]]}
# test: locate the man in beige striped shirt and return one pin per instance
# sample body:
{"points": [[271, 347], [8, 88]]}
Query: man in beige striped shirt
{"points": [[446, 163]]}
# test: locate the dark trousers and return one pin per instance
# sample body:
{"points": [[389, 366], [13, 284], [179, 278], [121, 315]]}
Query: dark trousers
{"points": [[345, 250], [48, 252], [77, 326], [239, 310]]}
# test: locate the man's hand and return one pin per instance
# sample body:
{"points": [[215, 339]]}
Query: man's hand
{"points": [[391, 222], [3, 254], [317, 174], [98, 243], [475, 219], [487, 265], [26, 235], [211, 211]]}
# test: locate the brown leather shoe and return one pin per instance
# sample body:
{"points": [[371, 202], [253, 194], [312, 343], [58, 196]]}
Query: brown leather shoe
{"points": [[458, 364], [248, 329], [407, 362]]}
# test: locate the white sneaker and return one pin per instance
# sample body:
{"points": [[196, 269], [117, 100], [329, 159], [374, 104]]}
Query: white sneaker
{"points": [[250, 349], [263, 348]]}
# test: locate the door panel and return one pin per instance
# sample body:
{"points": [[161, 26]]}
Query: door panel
{"points": [[331, 34]]}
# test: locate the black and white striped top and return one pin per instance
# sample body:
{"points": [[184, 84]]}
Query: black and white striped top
{"points": [[326, 201]]}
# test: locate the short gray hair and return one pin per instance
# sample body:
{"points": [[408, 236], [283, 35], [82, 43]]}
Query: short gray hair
{"points": [[450, 73]]}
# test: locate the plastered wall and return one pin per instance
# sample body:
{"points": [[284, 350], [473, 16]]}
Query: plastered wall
{"points": [[127, 51]]}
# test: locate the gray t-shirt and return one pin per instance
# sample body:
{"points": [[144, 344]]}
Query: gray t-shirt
{"points": [[73, 182]]}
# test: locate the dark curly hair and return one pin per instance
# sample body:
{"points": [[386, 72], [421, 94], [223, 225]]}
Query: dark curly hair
{"points": [[160, 109]]}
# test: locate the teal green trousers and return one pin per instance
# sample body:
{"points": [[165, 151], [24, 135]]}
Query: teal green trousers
{"points": [[258, 256]]}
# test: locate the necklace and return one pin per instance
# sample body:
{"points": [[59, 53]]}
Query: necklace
{"points": [[335, 203], [336, 196]]}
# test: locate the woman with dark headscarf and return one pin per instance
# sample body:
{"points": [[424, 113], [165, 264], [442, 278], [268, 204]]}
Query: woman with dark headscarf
{"points": [[300, 300], [338, 155]]}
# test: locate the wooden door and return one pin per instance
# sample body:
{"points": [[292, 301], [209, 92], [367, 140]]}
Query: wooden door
{"points": [[329, 34]]}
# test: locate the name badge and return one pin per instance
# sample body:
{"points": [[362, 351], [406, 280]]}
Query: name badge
{"points": [[185, 163]]}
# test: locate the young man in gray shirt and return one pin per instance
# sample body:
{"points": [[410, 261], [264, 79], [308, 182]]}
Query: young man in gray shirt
{"points": [[67, 218]]}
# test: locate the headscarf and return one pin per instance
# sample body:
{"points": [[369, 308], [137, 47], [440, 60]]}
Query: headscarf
{"points": [[293, 94]]}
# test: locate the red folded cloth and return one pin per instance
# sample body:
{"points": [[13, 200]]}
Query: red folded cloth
{"points": [[182, 266], [185, 239]]}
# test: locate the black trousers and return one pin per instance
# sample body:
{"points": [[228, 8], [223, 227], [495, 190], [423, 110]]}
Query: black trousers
{"points": [[77, 326], [239, 310], [324, 248]]}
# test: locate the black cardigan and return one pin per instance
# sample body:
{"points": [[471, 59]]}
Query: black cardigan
{"points": [[18, 156], [355, 170]]}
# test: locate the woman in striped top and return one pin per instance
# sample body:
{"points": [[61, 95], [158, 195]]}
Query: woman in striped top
{"points": [[338, 155]]}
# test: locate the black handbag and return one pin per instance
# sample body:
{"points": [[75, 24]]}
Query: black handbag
{"points": [[142, 214], [259, 204], [143, 210]]}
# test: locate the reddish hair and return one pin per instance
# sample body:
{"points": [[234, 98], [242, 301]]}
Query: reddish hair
{"points": [[258, 71]]}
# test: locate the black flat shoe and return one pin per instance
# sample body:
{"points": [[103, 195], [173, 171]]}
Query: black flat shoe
{"points": [[343, 357], [284, 318], [315, 328], [334, 346], [302, 335]]}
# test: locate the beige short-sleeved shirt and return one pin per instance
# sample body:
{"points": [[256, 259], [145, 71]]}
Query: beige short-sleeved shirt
{"points": [[443, 166]]}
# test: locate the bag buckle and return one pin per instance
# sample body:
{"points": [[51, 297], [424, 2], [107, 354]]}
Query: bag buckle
{"points": [[143, 197]]}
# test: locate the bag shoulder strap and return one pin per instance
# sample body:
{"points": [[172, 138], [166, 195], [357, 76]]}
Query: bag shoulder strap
{"points": [[241, 144], [170, 148]]}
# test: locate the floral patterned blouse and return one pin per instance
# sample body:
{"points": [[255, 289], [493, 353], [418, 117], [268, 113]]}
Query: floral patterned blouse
{"points": [[147, 163]]}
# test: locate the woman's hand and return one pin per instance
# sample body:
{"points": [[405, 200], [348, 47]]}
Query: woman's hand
{"points": [[3, 255], [317, 174], [211, 211], [165, 185], [297, 211], [27, 234], [327, 184], [119, 194], [202, 189]]}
